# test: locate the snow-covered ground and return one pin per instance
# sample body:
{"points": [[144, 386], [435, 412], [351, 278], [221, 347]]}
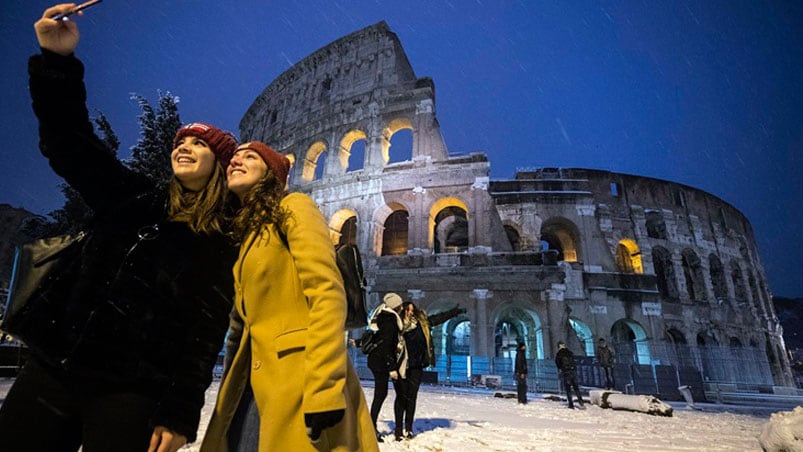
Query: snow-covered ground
{"points": [[468, 420]]}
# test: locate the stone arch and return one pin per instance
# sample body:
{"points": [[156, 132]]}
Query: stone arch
{"points": [[312, 159], [448, 219], [631, 343], [584, 335], [628, 257], [394, 126], [693, 275], [514, 235], [717, 273], [563, 236], [343, 218], [344, 152], [707, 344], [751, 283], [737, 278], [513, 323], [392, 220], [679, 348], [665, 273]]}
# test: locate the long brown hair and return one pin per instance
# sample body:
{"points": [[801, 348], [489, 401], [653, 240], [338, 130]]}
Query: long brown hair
{"points": [[260, 207], [203, 210]]}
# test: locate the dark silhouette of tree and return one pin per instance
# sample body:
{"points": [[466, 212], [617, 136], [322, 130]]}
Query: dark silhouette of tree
{"points": [[151, 155]]}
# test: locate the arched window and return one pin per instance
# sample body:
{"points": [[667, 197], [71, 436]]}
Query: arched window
{"points": [[513, 237], [740, 292], [628, 257], [693, 274], [394, 237], [630, 341], [665, 274], [717, 277], [451, 230]]}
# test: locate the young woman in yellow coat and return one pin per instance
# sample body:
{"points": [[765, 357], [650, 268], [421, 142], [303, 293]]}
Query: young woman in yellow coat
{"points": [[291, 357]]}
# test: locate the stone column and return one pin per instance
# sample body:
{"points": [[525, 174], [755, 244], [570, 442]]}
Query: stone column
{"points": [[479, 341]]}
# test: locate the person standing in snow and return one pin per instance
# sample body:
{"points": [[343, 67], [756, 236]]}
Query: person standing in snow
{"points": [[290, 377], [564, 359], [605, 358], [521, 372], [389, 358], [122, 360], [420, 354]]}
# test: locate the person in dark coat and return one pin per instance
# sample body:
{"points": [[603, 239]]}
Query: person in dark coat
{"points": [[564, 359], [126, 361], [420, 354], [605, 358], [389, 358], [521, 372]]}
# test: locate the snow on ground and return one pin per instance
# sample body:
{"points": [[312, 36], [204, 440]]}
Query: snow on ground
{"points": [[470, 420]]}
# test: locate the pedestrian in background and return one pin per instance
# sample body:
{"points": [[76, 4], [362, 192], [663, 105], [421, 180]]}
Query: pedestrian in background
{"points": [[521, 372], [605, 357], [564, 359]]}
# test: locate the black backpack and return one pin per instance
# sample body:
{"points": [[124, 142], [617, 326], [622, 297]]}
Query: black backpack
{"points": [[369, 341], [350, 265]]}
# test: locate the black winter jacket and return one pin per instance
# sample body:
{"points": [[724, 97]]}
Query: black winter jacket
{"points": [[564, 359], [521, 362], [384, 357], [156, 295]]}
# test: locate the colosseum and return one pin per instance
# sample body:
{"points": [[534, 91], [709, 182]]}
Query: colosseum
{"points": [[666, 273]]}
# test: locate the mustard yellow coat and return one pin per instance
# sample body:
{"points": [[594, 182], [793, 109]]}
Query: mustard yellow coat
{"points": [[293, 349]]}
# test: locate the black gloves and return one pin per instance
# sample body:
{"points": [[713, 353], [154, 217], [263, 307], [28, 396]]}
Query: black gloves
{"points": [[317, 422]]}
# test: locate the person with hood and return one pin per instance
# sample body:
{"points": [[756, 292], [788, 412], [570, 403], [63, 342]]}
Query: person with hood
{"points": [[564, 359], [290, 384], [123, 358], [417, 332], [389, 358], [521, 373]]}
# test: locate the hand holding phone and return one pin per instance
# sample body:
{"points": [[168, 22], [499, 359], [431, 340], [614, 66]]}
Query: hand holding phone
{"points": [[82, 6]]}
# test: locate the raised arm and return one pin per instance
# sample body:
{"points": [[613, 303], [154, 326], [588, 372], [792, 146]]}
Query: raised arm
{"points": [[66, 136]]}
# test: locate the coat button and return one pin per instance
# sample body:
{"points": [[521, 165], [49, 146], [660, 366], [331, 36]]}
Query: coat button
{"points": [[257, 364]]}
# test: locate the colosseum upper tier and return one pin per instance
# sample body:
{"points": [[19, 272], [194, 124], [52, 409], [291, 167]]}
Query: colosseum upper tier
{"points": [[668, 274]]}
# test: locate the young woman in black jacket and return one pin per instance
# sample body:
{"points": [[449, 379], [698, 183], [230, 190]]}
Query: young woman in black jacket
{"points": [[124, 363]]}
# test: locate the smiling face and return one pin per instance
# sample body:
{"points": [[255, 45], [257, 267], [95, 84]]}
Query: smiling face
{"points": [[193, 162], [245, 170]]}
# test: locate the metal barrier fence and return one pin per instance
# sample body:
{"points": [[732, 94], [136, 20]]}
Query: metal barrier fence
{"points": [[660, 373]]}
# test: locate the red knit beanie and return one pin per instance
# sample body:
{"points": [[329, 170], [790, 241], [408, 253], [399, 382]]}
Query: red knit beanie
{"points": [[221, 142], [277, 163]]}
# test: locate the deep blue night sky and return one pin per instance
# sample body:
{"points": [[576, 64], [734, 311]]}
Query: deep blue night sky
{"points": [[709, 94]]}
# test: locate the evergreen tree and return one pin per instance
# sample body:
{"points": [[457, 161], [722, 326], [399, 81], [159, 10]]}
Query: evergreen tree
{"points": [[151, 155]]}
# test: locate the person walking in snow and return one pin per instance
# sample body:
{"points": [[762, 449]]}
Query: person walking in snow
{"points": [[605, 357], [521, 372], [420, 354], [564, 359]]}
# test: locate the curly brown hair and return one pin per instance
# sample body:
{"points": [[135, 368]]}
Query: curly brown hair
{"points": [[203, 211], [260, 207]]}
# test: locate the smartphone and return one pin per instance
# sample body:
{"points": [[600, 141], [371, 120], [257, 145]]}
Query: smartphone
{"points": [[69, 13]]}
